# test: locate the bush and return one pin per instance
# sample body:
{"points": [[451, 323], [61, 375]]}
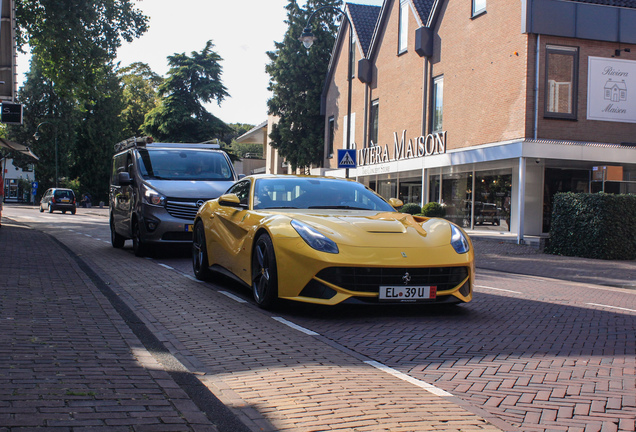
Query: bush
{"points": [[600, 226], [434, 209], [411, 208]]}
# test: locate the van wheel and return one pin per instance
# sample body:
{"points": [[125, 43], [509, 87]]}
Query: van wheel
{"points": [[50, 209], [139, 247], [200, 262], [115, 239]]}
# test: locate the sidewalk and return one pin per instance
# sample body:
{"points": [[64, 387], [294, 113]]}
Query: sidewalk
{"points": [[68, 361]]}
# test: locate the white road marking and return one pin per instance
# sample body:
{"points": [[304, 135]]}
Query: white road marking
{"points": [[422, 384], [233, 297], [497, 289], [611, 307], [166, 266], [296, 326]]}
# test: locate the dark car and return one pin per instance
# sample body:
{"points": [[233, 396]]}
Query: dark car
{"points": [[59, 199]]}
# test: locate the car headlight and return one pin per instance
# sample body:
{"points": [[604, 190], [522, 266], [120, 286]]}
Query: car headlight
{"points": [[153, 197], [314, 238], [459, 242]]}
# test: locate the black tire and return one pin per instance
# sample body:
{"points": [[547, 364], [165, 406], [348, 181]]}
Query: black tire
{"points": [[139, 247], [73, 211], [200, 262], [115, 239], [264, 273], [41, 209], [50, 209]]}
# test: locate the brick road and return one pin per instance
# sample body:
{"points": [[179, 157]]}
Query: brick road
{"points": [[271, 377]]}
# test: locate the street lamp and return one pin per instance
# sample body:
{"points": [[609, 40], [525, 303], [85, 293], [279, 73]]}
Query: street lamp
{"points": [[308, 38], [37, 137]]}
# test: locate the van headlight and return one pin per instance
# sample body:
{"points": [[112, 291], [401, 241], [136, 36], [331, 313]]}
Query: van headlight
{"points": [[315, 238], [459, 242], [153, 197]]}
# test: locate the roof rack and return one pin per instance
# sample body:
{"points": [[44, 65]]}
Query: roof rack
{"points": [[133, 142]]}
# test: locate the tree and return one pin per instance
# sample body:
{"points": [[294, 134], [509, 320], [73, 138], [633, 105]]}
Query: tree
{"points": [[296, 81], [74, 38], [43, 106], [99, 128], [192, 80], [140, 85]]}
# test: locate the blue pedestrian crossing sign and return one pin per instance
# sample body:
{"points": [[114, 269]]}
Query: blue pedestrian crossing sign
{"points": [[346, 158]]}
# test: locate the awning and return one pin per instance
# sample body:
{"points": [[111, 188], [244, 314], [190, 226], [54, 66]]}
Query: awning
{"points": [[17, 147]]}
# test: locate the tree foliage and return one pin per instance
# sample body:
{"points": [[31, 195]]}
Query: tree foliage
{"points": [[140, 87], [73, 39], [296, 81], [192, 81], [85, 130]]}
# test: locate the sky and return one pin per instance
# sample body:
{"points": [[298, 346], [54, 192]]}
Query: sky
{"points": [[242, 32]]}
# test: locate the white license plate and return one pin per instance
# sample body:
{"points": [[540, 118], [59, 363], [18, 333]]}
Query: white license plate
{"points": [[407, 293]]}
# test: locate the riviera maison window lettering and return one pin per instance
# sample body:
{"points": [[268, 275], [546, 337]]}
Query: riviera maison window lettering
{"points": [[428, 145]]}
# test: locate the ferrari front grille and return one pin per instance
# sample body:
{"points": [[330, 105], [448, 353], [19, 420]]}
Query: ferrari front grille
{"points": [[183, 209], [369, 279]]}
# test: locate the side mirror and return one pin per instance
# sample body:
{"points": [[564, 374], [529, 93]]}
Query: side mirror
{"points": [[395, 203], [230, 200], [123, 178]]}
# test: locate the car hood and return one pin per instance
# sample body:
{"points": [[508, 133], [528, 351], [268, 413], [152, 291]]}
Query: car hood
{"points": [[190, 188], [385, 229]]}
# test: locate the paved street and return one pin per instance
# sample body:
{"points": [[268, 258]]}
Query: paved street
{"points": [[150, 348]]}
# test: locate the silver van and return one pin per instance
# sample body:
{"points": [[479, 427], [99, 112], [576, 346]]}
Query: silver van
{"points": [[157, 188]]}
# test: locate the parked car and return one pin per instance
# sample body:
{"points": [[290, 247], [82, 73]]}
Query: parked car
{"points": [[58, 199], [327, 241], [486, 213]]}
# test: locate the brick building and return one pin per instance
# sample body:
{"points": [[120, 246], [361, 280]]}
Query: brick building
{"points": [[489, 107]]}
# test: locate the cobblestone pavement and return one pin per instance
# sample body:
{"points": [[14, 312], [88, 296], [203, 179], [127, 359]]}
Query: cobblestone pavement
{"points": [[68, 362], [271, 378]]}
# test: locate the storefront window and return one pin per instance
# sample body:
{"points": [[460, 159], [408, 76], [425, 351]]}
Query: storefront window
{"points": [[433, 188], [387, 187], [493, 200], [411, 187], [457, 198]]}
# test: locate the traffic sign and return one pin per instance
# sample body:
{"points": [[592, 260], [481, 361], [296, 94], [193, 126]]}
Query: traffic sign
{"points": [[34, 185], [346, 158]]}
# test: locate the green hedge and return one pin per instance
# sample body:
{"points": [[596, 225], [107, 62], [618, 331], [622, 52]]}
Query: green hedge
{"points": [[411, 208], [434, 209], [601, 226]]}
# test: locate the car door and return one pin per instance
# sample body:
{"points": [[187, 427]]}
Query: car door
{"points": [[230, 229]]}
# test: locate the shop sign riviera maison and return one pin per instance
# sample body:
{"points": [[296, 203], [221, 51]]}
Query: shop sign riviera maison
{"points": [[428, 145]]}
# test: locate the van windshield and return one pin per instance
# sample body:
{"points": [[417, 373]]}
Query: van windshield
{"points": [[183, 164]]}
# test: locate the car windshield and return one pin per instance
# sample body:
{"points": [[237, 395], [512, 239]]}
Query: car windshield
{"points": [[316, 193], [183, 164]]}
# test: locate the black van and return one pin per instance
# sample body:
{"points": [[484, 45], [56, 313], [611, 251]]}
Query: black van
{"points": [[156, 190]]}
